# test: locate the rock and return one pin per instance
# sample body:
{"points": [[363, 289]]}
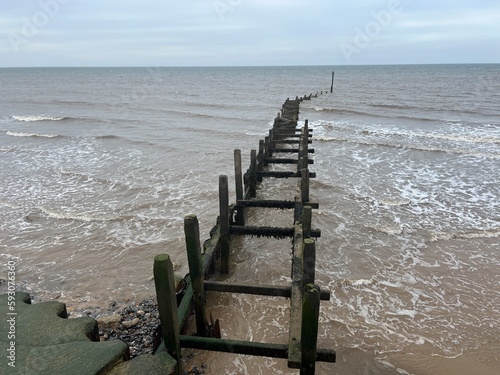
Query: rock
{"points": [[109, 322], [130, 323]]}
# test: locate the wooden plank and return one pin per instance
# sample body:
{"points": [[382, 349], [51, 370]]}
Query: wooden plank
{"points": [[289, 141], [283, 174], [184, 308], [292, 136], [291, 150], [211, 248], [234, 346], [272, 204], [261, 231], [268, 203], [279, 232], [261, 290], [284, 161]]}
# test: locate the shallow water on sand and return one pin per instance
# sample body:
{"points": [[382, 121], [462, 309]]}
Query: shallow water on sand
{"points": [[98, 173]]}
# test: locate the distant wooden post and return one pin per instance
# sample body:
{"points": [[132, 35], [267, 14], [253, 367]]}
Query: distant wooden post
{"points": [[224, 224], [309, 261], [266, 147], [271, 143], [333, 77], [240, 214], [163, 272], [192, 235], [309, 330], [304, 184], [253, 173]]}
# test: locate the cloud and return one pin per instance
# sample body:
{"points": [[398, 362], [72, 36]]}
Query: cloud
{"points": [[247, 32]]}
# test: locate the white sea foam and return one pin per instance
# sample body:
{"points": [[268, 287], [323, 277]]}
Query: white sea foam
{"points": [[33, 118], [23, 134], [477, 233], [79, 217], [9, 204], [391, 230], [395, 201]]}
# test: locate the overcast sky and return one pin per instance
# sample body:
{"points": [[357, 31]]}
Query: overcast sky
{"points": [[247, 32]]}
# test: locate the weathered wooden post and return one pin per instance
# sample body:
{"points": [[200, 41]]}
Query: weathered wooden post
{"points": [[224, 224], [333, 77], [192, 235], [271, 143], [305, 140], [309, 261], [303, 147], [266, 148], [253, 173], [306, 221], [304, 184], [260, 158], [163, 272], [240, 213], [309, 330]]}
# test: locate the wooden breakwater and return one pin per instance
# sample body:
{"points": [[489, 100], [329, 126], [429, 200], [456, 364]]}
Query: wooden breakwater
{"points": [[285, 138]]}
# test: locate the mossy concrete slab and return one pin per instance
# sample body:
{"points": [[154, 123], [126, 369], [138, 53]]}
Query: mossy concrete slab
{"points": [[43, 341], [160, 364]]}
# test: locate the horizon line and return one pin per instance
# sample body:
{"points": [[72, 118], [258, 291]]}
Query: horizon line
{"points": [[232, 66]]}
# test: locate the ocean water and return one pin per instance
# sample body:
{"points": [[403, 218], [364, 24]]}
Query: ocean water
{"points": [[98, 167]]}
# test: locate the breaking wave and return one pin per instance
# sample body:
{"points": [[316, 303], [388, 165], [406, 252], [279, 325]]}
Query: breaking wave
{"points": [[33, 118], [24, 134]]}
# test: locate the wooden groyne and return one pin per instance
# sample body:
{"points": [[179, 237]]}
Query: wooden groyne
{"points": [[284, 138]]}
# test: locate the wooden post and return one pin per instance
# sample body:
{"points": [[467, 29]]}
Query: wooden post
{"points": [[271, 143], [305, 140], [240, 210], [260, 159], [238, 174], [309, 331], [304, 184], [253, 173], [333, 77], [306, 221], [303, 147], [309, 262], [192, 234], [266, 147], [224, 224], [163, 272]]}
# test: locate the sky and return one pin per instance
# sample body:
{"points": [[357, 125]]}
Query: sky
{"points": [[247, 32]]}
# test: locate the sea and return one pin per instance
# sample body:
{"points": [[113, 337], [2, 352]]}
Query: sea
{"points": [[99, 167]]}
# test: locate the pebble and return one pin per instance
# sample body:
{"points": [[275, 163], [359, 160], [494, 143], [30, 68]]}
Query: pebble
{"points": [[137, 326]]}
